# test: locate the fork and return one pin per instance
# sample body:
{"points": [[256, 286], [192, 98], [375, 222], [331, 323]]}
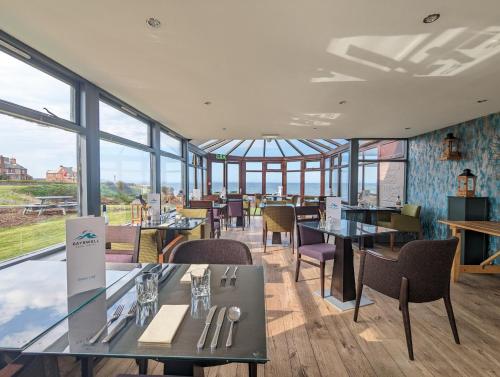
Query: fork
{"points": [[223, 278], [131, 313], [233, 276], [114, 317]]}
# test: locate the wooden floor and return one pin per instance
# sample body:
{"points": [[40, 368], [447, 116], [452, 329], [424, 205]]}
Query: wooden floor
{"points": [[308, 337]]}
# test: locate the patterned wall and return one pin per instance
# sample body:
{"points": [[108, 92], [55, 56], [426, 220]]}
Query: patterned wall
{"points": [[431, 180]]}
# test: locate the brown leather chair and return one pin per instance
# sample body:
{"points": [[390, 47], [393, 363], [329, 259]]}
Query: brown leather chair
{"points": [[420, 274], [278, 218], [216, 251], [124, 241]]}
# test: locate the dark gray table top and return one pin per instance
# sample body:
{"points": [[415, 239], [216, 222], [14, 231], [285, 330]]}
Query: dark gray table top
{"points": [[170, 223], [347, 228], [71, 336]]}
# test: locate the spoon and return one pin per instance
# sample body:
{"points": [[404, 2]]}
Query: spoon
{"points": [[233, 315]]}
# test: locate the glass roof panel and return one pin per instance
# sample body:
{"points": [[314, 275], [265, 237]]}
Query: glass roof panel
{"points": [[257, 149], [341, 141], [288, 150], [322, 149], [305, 149], [205, 143], [241, 149], [227, 147], [272, 149]]}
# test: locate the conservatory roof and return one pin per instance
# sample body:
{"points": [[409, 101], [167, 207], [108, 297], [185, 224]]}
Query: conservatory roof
{"points": [[270, 147]]}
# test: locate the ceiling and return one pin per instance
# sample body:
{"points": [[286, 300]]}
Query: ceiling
{"points": [[293, 69]]}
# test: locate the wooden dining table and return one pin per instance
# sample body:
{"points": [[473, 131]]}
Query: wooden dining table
{"points": [[491, 228]]}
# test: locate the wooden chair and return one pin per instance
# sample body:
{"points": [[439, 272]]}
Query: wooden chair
{"points": [[420, 274], [126, 239], [311, 244], [278, 219]]}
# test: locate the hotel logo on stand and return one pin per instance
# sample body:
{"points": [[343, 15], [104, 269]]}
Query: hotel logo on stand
{"points": [[85, 238]]}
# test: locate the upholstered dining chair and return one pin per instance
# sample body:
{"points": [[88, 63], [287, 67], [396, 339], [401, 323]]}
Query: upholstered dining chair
{"points": [[216, 251], [213, 215], [235, 209], [278, 219], [311, 243], [256, 203], [124, 241], [201, 230], [408, 221], [421, 273]]}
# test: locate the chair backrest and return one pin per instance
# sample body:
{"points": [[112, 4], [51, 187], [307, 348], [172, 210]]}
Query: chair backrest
{"points": [[200, 213], [235, 208], [411, 210], [234, 196], [125, 234], [427, 266], [306, 236], [212, 251], [200, 203], [307, 213], [276, 202], [278, 218], [212, 198]]}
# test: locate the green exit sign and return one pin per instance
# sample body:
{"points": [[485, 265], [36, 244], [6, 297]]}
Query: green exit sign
{"points": [[220, 156]]}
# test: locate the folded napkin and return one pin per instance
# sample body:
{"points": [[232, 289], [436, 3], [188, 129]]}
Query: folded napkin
{"points": [[164, 325], [187, 275]]}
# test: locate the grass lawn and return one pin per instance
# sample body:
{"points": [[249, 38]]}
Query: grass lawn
{"points": [[23, 239]]}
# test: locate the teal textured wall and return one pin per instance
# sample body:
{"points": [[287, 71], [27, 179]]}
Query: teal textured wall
{"points": [[431, 180]]}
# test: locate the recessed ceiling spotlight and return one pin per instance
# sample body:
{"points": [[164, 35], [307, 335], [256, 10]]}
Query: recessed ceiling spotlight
{"points": [[481, 100], [407, 128], [224, 128], [431, 18], [208, 103], [153, 23], [343, 102]]}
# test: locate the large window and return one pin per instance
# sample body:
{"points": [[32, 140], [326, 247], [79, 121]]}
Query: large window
{"points": [[273, 182], [120, 123], [312, 178], [125, 173], [382, 171], [170, 144], [233, 178], [253, 177], [38, 185], [293, 177], [217, 176], [30, 87], [172, 182]]}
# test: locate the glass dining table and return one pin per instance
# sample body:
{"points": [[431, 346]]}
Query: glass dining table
{"points": [[71, 336], [33, 298], [343, 287]]}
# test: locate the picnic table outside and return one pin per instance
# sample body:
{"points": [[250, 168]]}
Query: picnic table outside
{"points": [[60, 202]]}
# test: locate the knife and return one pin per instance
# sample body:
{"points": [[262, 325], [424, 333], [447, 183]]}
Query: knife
{"points": [[208, 321], [220, 321]]}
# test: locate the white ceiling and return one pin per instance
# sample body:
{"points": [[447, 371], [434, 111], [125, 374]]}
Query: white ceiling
{"points": [[278, 66]]}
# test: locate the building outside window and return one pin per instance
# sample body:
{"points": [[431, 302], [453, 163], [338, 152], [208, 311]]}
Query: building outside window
{"points": [[172, 182]]}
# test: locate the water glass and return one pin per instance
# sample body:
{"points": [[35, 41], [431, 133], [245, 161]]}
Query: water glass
{"points": [[200, 283], [146, 286]]}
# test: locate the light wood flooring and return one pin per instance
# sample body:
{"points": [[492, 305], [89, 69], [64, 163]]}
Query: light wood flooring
{"points": [[308, 337]]}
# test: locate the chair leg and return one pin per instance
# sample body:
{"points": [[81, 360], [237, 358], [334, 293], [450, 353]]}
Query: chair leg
{"points": [[403, 301], [297, 267], [265, 240], [392, 236], [322, 278], [451, 316], [359, 290]]}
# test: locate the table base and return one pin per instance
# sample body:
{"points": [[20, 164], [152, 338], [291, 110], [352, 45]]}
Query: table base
{"points": [[343, 306]]}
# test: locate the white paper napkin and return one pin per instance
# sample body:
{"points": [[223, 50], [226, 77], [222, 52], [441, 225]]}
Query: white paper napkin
{"points": [[164, 325], [187, 275]]}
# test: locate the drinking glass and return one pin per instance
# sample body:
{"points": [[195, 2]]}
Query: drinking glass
{"points": [[146, 286], [200, 282]]}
